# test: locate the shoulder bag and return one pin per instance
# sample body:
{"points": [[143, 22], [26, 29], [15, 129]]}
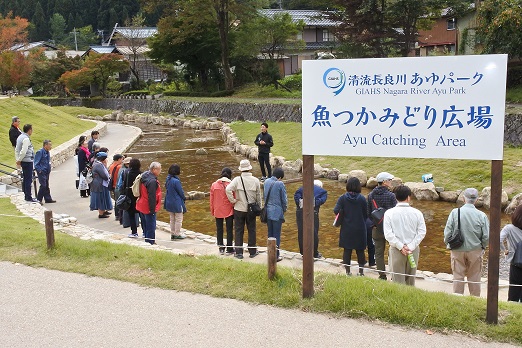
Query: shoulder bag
{"points": [[263, 217], [377, 214], [124, 202], [253, 208], [455, 241]]}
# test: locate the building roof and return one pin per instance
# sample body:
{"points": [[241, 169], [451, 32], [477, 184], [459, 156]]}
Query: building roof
{"points": [[126, 50], [309, 17], [102, 49], [30, 45], [136, 33]]}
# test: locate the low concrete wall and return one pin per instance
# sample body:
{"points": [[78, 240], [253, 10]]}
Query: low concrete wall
{"points": [[227, 112]]}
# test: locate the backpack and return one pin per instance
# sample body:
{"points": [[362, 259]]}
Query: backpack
{"points": [[136, 186]]}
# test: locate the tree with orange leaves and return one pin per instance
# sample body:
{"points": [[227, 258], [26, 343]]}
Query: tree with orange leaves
{"points": [[98, 69], [13, 30], [15, 67]]}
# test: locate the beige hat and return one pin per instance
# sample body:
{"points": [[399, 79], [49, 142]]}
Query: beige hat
{"points": [[244, 165], [127, 160]]}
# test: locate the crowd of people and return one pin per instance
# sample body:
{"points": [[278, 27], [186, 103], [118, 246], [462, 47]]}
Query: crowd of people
{"points": [[233, 203]]}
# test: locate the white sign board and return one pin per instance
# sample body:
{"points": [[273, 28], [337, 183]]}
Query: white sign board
{"points": [[419, 107]]}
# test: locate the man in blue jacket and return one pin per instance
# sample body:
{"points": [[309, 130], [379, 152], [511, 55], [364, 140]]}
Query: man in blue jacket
{"points": [[42, 165], [320, 196]]}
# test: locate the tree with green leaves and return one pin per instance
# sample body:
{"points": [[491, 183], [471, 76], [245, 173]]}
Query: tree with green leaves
{"points": [[500, 27], [223, 15], [271, 37], [57, 26], [379, 28], [135, 42]]}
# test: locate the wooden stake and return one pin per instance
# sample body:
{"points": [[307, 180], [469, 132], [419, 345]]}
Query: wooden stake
{"points": [[308, 226], [49, 228], [494, 241], [272, 257]]}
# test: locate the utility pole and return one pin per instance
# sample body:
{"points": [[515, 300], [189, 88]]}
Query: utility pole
{"points": [[75, 41]]}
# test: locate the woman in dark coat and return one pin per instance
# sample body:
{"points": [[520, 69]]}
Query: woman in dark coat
{"points": [[128, 177], [82, 157], [353, 227], [100, 194]]}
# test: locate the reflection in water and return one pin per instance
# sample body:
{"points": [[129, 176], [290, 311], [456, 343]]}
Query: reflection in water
{"points": [[199, 171]]}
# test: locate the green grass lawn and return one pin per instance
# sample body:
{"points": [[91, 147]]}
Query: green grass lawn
{"points": [[48, 123], [23, 240], [450, 174]]}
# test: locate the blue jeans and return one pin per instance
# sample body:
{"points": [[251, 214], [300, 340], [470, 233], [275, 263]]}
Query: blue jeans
{"points": [[27, 172], [274, 230], [148, 223]]}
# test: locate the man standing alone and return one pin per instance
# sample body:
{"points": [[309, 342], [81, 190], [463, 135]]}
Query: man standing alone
{"points": [[42, 165], [404, 229], [474, 228], [264, 142], [14, 131], [24, 153], [383, 198]]}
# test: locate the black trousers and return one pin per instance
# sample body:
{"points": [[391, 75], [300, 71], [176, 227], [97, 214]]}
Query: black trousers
{"points": [[347, 259], [240, 219], [299, 220], [515, 277], [229, 223], [264, 159]]}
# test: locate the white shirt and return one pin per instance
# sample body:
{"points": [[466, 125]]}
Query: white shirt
{"points": [[404, 224]]}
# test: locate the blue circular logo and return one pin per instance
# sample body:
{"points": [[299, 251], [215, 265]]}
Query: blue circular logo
{"points": [[334, 79]]}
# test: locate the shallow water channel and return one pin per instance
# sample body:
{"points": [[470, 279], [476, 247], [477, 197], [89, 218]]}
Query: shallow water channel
{"points": [[199, 171]]}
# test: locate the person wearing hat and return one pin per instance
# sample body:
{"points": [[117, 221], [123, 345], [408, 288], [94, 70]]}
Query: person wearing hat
{"points": [[15, 130], [114, 170], [241, 191], [99, 187], [381, 197], [466, 261]]}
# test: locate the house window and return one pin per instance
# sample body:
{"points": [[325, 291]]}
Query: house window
{"points": [[300, 35], [451, 23], [327, 36]]}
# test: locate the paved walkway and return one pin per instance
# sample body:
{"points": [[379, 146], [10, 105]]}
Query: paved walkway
{"points": [[45, 308]]}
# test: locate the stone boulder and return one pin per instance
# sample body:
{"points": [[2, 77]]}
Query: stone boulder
{"points": [[359, 174], [296, 166], [486, 198], [201, 151], [253, 153], [371, 183], [515, 202], [196, 195], [397, 182], [423, 191], [343, 178], [449, 196], [277, 161], [318, 170], [332, 174]]}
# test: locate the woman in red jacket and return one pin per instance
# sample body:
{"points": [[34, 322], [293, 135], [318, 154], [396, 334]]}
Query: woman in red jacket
{"points": [[222, 209], [149, 201]]}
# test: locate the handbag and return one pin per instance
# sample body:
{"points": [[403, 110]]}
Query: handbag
{"points": [[253, 208], [455, 241], [263, 216], [517, 258], [123, 202], [377, 215]]}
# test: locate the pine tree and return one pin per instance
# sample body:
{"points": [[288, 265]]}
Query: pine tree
{"points": [[41, 29]]}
